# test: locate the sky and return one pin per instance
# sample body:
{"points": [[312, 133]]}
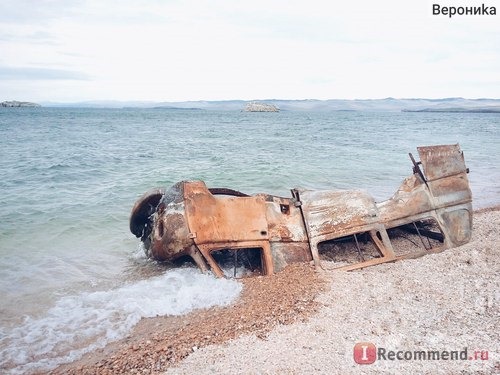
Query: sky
{"points": [[172, 50]]}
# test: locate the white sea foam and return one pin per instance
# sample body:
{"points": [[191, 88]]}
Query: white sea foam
{"points": [[79, 324]]}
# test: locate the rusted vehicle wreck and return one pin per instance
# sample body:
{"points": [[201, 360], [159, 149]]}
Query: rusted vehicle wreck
{"points": [[268, 232]]}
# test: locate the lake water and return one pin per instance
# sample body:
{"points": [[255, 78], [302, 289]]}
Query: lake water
{"points": [[72, 276]]}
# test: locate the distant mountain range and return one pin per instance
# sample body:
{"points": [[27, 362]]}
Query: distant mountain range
{"points": [[388, 104]]}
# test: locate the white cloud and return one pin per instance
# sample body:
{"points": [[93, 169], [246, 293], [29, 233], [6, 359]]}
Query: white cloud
{"points": [[174, 50], [16, 74]]}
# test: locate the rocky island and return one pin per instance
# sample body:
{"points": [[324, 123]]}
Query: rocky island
{"points": [[260, 107], [15, 103]]}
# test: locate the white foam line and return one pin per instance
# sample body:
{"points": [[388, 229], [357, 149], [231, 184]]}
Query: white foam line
{"points": [[82, 323]]}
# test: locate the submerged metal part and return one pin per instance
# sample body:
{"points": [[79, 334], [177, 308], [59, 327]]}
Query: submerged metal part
{"points": [[192, 220]]}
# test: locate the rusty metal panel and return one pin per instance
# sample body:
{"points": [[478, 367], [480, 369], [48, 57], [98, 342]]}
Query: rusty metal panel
{"points": [[170, 236], [411, 199], [446, 174], [441, 161], [284, 220], [223, 219], [458, 224], [450, 191], [336, 210]]}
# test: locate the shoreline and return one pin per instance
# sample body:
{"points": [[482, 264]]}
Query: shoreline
{"points": [[299, 302], [265, 302]]}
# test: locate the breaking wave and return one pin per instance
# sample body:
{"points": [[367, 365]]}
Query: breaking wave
{"points": [[78, 324]]}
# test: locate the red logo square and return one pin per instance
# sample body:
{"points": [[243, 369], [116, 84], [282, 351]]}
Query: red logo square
{"points": [[365, 353]]}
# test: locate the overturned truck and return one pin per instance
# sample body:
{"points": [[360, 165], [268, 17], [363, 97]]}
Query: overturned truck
{"points": [[266, 232]]}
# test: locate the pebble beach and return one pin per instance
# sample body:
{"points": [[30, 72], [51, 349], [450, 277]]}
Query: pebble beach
{"points": [[303, 321]]}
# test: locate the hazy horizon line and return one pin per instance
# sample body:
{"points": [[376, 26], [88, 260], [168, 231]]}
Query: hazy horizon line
{"points": [[258, 99]]}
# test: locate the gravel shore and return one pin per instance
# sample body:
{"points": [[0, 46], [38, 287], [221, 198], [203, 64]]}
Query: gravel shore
{"points": [[301, 321]]}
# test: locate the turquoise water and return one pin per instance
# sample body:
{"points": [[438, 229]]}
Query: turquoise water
{"points": [[69, 177]]}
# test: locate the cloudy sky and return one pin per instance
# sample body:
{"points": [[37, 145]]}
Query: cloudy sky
{"points": [[172, 50]]}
